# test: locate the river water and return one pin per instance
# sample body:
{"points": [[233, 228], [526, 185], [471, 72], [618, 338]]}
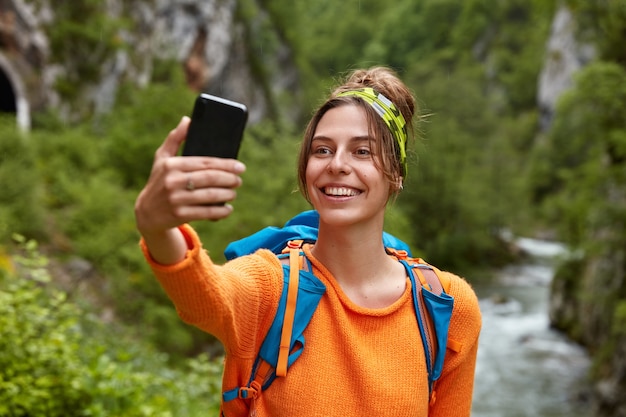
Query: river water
{"points": [[524, 368]]}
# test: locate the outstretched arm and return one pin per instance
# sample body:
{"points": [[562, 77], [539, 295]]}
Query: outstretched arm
{"points": [[180, 190]]}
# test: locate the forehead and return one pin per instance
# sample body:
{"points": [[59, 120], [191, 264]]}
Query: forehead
{"points": [[344, 121]]}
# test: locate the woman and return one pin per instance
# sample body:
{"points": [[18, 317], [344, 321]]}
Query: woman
{"points": [[363, 356]]}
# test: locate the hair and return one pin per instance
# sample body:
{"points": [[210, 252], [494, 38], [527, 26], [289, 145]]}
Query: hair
{"points": [[385, 81]]}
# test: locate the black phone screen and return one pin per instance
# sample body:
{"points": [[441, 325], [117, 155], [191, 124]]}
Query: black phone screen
{"points": [[216, 127]]}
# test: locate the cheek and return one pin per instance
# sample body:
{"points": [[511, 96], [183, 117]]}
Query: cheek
{"points": [[309, 175], [380, 181], [313, 168]]}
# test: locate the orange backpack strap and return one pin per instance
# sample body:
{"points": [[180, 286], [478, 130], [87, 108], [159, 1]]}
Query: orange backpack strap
{"points": [[264, 369], [428, 274], [431, 288], [433, 278], [290, 311], [284, 340]]}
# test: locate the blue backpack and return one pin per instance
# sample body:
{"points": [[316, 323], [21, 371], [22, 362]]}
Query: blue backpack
{"points": [[302, 291]]}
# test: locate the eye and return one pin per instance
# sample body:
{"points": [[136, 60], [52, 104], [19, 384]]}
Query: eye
{"points": [[321, 150], [363, 152]]}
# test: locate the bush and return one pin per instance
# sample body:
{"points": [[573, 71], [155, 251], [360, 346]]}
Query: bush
{"points": [[56, 360], [20, 200], [138, 125], [91, 174]]}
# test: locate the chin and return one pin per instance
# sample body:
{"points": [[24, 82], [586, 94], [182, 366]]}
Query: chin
{"points": [[341, 217]]}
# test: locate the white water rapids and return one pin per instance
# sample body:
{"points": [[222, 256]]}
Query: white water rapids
{"points": [[524, 368]]}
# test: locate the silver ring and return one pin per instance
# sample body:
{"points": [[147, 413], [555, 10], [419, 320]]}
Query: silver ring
{"points": [[190, 186]]}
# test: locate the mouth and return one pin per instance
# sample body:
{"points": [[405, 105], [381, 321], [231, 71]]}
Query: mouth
{"points": [[340, 191]]}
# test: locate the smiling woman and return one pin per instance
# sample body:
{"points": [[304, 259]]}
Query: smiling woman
{"points": [[342, 172], [364, 349]]}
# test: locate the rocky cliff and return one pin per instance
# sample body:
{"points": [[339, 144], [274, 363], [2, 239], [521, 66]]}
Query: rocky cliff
{"points": [[217, 44], [588, 303], [588, 297], [565, 55]]}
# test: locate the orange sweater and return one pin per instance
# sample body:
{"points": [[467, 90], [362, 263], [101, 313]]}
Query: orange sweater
{"points": [[356, 362]]}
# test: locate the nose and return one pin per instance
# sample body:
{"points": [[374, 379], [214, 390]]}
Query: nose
{"points": [[339, 163]]}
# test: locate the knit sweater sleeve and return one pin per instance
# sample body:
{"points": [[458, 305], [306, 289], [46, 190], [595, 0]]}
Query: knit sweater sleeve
{"points": [[454, 389], [229, 301]]}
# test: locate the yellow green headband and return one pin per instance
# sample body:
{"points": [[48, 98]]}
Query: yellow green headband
{"points": [[390, 115]]}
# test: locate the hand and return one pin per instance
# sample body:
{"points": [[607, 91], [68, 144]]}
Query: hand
{"points": [[181, 189]]}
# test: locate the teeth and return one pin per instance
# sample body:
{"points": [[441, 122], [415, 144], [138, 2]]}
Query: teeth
{"points": [[340, 191]]}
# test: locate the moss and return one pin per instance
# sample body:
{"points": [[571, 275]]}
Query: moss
{"points": [[619, 319], [83, 36], [566, 286]]}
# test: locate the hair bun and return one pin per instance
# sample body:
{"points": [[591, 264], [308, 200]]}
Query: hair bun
{"points": [[385, 81]]}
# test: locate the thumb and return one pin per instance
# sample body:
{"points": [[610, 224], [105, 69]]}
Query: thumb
{"points": [[174, 139]]}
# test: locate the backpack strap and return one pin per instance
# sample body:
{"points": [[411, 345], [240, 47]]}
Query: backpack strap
{"points": [[284, 341], [290, 311], [432, 278], [296, 264], [433, 309]]}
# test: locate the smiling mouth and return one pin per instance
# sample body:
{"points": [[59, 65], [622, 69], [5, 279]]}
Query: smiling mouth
{"points": [[341, 191]]}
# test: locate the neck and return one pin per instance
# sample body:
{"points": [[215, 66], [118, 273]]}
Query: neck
{"points": [[357, 260], [349, 246]]}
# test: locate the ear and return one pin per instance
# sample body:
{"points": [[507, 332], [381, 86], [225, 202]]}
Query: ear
{"points": [[399, 183], [396, 186]]}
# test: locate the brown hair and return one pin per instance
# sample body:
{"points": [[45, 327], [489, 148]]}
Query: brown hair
{"points": [[385, 81]]}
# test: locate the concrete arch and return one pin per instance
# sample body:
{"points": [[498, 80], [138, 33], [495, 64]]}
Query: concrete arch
{"points": [[14, 97]]}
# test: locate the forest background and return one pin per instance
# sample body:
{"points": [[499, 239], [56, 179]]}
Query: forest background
{"points": [[83, 324]]}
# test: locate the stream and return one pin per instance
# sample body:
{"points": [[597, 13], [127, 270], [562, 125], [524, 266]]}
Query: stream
{"points": [[525, 368]]}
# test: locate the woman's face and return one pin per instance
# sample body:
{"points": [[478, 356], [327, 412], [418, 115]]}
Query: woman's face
{"points": [[344, 183]]}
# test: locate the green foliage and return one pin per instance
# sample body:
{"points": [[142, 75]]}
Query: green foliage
{"points": [[410, 33], [327, 38], [517, 51], [20, 198], [66, 159], [603, 23], [584, 154], [86, 36], [89, 176], [263, 45], [619, 320], [457, 195], [55, 360], [139, 123], [579, 177], [471, 64], [567, 283]]}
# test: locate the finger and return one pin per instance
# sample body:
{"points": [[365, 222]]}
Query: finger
{"points": [[210, 179], [198, 163], [214, 196], [174, 139], [190, 195], [206, 212]]}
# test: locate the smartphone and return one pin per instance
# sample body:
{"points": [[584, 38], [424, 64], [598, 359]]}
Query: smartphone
{"points": [[216, 127]]}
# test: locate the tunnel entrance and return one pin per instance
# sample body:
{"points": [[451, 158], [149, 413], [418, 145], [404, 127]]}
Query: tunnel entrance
{"points": [[13, 95], [7, 97]]}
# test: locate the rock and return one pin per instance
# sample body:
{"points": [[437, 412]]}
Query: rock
{"points": [[206, 37], [565, 55]]}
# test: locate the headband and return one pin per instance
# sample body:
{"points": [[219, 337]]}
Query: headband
{"points": [[390, 115]]}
